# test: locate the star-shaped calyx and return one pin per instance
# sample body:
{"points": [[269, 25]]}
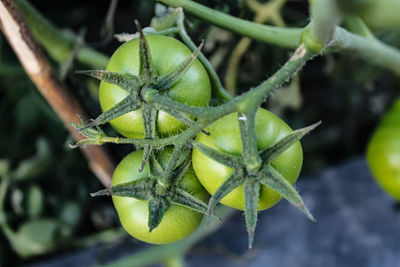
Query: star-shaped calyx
{"points": [[147, 81], [160, 197], [252, 181]]}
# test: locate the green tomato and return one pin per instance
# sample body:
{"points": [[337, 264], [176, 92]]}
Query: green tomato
{"points": [[177, 223], [225, 137], [383, 152], [167, 53]]}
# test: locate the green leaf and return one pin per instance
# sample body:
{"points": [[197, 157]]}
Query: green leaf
{"points": [[35, 237], [233, 181], [167, 81], [221, 157], [34, 201], [185, 199], [4, 167], [35, 165], [271, 153], [128, 104], [251, 191], [126, 81], [158, 206], [139, 189], [274, 180], [147, 72]]}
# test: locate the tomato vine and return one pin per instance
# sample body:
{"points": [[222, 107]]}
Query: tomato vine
{"points": [[146, 92]]}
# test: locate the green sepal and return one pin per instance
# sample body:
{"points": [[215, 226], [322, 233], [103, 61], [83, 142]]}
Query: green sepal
{"points": [[272, 152], [158, 206], [164, 102], [271, 178], [94, 136], [128, 104], [147, 72], [183, 164], [231, 161], [139, 189], [85, 142], [147, 151], [168, 80], [149, 122], [184, 156], [182, 198], [165, 178], [155, 167], [181, 170], [128, 82], [88, 132], [233, 181], [251, 191]]}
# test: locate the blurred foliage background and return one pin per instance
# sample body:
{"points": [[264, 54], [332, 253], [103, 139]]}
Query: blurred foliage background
{"points": [[47, 205]]}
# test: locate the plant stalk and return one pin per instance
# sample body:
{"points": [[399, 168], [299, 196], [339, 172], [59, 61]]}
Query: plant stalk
{"points": [[41, 73]]}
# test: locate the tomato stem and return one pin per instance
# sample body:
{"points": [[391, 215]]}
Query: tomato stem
{"points": [[247, 124], [373, 51]]}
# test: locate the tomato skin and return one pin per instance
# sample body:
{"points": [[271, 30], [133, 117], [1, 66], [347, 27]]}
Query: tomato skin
{"points": [[178, 222], [167, 53], [225, 137], [383, 152]]}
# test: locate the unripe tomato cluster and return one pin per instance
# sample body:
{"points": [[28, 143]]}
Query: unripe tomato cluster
{"points": [[223, 135]]}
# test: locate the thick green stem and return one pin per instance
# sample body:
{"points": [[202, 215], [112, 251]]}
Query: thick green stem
{"points": [[376, 52], [324, 18], [357, 26], [275, 35], [371, 50]]}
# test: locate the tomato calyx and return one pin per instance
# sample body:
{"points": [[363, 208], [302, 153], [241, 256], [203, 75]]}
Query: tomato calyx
{"points": [[252, 179], [139, 87], [160, 196]]}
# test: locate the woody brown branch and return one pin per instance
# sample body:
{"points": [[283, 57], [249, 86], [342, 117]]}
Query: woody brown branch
{"points": [[42, 75]]}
